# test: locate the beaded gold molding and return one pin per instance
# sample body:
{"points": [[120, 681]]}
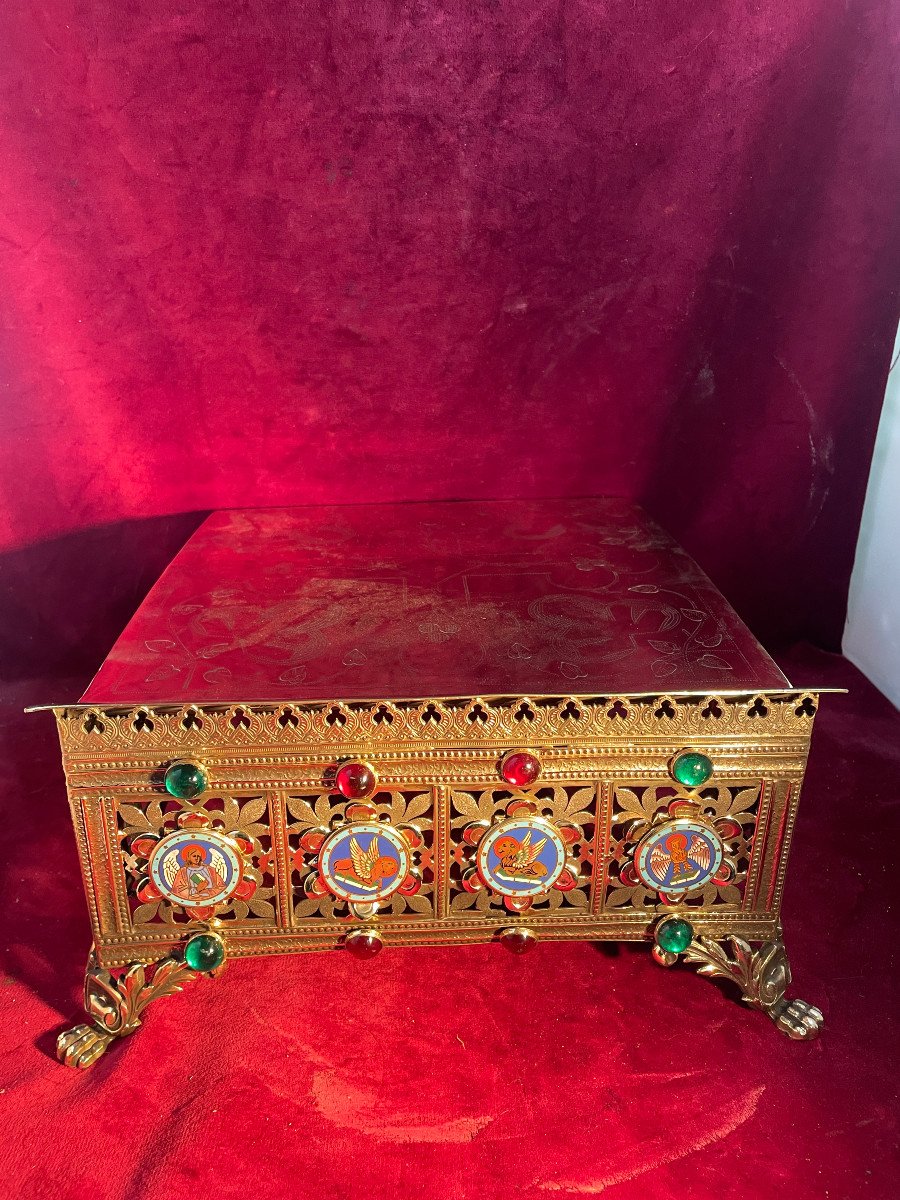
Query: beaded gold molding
{"points": [[474, 721]]}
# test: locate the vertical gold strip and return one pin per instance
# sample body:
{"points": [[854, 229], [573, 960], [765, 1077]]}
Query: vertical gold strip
{"points": [[784, 845], [603, 806], [778, 814], [97, 874], [79, 821], [440, 801], [281, 856], [757, 846], [115, 866], [786, 831]]}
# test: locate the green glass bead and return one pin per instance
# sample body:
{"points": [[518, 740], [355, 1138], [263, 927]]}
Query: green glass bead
{"points": [[674, 935], [204, 952], [185, 780], [692, 768]]}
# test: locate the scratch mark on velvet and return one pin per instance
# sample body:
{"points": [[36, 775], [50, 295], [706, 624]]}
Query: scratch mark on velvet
{"points": [[821, 449]]}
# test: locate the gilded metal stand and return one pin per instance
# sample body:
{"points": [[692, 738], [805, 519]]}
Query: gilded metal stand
{"points": [[247, 829], [763, 976], [115, 1005]]}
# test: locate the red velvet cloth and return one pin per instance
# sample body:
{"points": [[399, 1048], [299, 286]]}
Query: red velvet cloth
{"points": [[260, 252], [467, 1072]]}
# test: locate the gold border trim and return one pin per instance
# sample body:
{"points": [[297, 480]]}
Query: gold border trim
{"points": [[439, 722]]}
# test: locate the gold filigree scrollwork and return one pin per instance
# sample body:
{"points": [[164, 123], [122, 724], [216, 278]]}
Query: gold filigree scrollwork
{"points": [[115, 1005], [763, 976]]}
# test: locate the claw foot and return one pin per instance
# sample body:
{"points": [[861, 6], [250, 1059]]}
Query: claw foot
{"points": [[762, 975], [797, 1019], [117, 1002], [82, 1045]]}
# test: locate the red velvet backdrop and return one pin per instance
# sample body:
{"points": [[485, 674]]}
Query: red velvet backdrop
{"points": [[265, 252]]}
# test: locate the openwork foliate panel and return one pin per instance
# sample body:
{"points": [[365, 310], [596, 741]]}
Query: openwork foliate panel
{"points": [[296, 826]]}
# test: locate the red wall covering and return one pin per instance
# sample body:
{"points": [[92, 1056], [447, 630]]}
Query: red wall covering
{"points": [[260, 252], [272, 252]]}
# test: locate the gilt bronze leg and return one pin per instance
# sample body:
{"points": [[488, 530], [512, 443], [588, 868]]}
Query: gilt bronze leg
{"points": [[115, 1003], [763, 976]]}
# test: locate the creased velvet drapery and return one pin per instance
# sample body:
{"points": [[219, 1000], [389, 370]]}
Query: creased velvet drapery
{"points": [[259, 252], [276, 252]]}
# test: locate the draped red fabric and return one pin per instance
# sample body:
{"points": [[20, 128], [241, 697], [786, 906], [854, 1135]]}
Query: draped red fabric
{"points": [[576, 1070], [273, 252], [259, 252]]}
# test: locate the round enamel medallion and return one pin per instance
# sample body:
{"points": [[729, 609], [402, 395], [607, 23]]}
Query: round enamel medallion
{"points": [[195, 868], [523, 856], [678, 856], [365, 861]]}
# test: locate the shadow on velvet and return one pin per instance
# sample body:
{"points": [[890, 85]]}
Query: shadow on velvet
{"points": [[62, 604]]}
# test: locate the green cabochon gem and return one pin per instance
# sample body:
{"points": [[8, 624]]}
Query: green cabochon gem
{"points": [[204, 952], [185, 780], [674, 935], [692, 768]]}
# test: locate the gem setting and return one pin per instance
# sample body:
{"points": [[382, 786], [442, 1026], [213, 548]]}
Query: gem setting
{"points": [[204, 952], [355, 780], [186, 779], [691, 768], [364, 943], [520, 767], [673, 935]]}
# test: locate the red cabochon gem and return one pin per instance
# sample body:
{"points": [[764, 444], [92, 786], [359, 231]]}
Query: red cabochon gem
{"points": [[520, 768], [355, 780]]}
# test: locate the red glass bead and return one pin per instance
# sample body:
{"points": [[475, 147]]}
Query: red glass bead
{"points": [[728, 829], [520, 768], [521, 808], [194, 820], [412, 836], [246, 889], [517, 940], [143, 844], [361, 812], [364, 943], [311, 842], [355, 780], [472, 834]]}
